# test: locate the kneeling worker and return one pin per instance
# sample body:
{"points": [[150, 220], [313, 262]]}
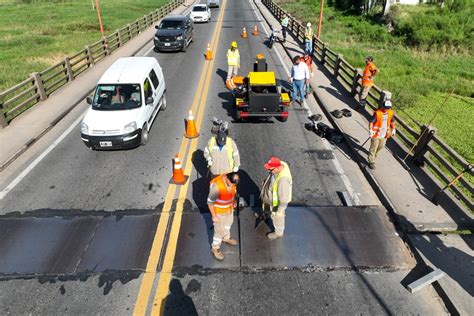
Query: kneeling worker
{"points": [[276, 194], [222, 154], [222, 202]]}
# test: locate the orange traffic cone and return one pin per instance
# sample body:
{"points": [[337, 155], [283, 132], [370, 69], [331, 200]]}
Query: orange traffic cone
{"points": [[178, 175], [244, 33], [255, 31], [191, 131], [229, 83], [208, 52]]}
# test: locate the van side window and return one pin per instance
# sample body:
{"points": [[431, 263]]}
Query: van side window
{"points": [[147, 89], [154, 79]]}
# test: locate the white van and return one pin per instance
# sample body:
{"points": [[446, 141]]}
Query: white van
{"points": [[125, 103]]}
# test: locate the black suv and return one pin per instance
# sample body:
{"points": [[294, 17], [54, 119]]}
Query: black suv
{"points": [[175, 32]]}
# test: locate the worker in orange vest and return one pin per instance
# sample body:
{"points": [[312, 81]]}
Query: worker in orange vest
{"points": [[222, 202], [381, 128], [370, 71]]}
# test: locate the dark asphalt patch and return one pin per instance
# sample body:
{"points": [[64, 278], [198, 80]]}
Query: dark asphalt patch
{"points": [[354, 238], [90, 245]]}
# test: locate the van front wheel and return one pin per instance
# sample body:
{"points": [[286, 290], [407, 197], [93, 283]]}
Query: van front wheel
{"points": [[163, 102], [144, 135]]}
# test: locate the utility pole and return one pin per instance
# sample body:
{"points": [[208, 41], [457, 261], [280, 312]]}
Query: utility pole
{"points": [[98, 15], [320, 23]]}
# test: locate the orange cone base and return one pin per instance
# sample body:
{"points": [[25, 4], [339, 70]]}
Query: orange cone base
{"points": [[208, 56], [172, 181], [192, 136]]}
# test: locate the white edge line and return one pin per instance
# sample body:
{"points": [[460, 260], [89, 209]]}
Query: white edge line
{"points": [[337, 164], [32, 165]]}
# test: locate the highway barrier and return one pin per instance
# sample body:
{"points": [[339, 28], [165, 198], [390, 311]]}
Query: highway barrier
{"points": [[443, 161], [40, 85]]}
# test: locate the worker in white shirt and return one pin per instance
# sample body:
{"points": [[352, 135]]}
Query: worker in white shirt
{"points": [[299, 77]]}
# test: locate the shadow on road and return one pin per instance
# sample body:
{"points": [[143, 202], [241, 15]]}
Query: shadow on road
{"points": [[178, 302]]}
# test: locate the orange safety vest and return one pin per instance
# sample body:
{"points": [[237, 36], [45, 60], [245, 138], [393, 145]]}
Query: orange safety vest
{"points": [[368, 75], [380, 124], [225, 202]]}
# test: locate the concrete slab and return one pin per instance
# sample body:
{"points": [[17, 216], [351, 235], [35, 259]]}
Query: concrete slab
{"points": [[39, 246], [454, 255], [195, 238], [329, 237]]}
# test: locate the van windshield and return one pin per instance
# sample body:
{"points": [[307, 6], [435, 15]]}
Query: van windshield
{"points": [[111, 97], [171, 25]]}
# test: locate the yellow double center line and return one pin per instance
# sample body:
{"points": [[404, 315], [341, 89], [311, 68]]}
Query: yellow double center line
{"points": [[198, 106]]}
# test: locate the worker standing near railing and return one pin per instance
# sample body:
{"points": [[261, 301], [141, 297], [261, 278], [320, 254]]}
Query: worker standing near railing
{"points": [[381, 128], [284, 26], [370, 71], [308, 38]]}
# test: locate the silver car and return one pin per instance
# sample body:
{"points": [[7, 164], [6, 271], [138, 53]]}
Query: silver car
{"points": [[213, 3]]}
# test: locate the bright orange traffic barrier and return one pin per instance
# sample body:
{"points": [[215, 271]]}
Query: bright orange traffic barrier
{"points": [[191, 130], [255, 31], [178, 174], [244, 33], [208, 52]]}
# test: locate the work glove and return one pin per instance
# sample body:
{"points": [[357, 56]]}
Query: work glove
{"points": [[371, 133], [394, 131], [209, 163], [235, 169]]}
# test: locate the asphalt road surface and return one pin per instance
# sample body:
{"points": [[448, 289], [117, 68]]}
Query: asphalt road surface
{"points": [[88, 232]]}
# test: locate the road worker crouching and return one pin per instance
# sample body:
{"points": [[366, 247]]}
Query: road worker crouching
{"points": [[276, 194], [222, 154], [222, 202]]}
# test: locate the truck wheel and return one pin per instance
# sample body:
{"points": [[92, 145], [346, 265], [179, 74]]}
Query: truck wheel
{"points": [[163, 102], [156, 49], [144, 135]]}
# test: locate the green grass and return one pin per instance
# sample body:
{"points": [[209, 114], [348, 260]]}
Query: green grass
{"points": [[35, 34], [419, 76]]}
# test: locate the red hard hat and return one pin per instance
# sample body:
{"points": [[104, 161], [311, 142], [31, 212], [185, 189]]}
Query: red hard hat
{"points": [[274, 162]]}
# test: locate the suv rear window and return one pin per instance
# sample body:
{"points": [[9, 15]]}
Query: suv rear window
{"points": [[171, 24], [199, 8]]}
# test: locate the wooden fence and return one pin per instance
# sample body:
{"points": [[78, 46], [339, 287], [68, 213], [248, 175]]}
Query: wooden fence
{"points": [[443, 161], [40, 85]]}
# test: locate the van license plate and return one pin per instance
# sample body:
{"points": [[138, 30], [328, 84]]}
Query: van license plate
{"points": [[167, 44], [105, 144]]}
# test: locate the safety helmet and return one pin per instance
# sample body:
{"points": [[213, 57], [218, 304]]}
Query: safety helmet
{"points": [[387, 104], [233, 44], [309, 24]]}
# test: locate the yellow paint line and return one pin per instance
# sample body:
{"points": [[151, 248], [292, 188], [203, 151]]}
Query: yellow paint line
{"points": [[158, 241], [165, 275]]}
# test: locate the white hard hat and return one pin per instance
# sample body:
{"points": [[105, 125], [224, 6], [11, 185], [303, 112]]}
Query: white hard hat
{"points": [[309, 24], [387, 104]]}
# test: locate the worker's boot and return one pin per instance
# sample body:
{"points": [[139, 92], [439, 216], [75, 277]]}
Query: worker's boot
{"points": [[217, 254], [273, 236], [230, 241], [372, 166]]}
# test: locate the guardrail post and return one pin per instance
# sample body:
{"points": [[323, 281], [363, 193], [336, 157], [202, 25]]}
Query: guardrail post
{"points": [[427, 133], [129, 31], [39, 86], [90, 57], [67, 65], [355, 81], [338, 65], [119, 38], [3, 119], [323, 54], [384, 95], [105, 46]]}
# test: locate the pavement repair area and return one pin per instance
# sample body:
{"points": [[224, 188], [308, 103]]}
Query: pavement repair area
{"points": [[91, 232]]}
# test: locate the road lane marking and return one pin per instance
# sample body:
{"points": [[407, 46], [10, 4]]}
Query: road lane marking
{"points": [[198, 105], [35, 162], [337, 164]]}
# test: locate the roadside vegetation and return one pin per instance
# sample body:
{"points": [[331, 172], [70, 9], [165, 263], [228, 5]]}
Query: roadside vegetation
{"points": [[423, 53], [35, 34]]}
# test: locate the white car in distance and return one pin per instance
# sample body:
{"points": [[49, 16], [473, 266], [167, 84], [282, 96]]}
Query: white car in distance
{"points": [[200, 13]]}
